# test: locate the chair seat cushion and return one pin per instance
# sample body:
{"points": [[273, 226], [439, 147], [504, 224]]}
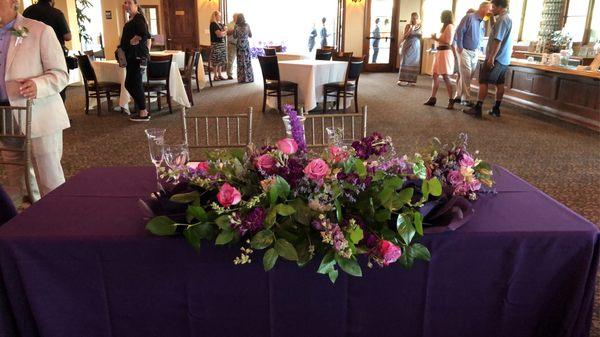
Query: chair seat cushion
{"points": [[339, 85], [156, 85], [285, 85]]}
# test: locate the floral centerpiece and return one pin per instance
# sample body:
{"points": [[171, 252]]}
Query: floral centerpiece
{"points": [[298, 205]]}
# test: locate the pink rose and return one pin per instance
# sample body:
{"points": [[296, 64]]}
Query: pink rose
{"points": [[203, 167], [455, 177], [461, 189], [287, 146], [388, 252], [466, 160], [265, 162], [316, 170], [228, 195], [338, 154], [475, 185]]}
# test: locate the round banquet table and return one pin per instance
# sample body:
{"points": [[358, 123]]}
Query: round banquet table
{"points": [[286, 56]]}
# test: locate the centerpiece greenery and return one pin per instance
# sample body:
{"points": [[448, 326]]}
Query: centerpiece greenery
{"points": [[300, 205]]}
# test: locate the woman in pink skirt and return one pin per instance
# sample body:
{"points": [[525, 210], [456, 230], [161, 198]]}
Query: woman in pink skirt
{"points": [[443, 62]]}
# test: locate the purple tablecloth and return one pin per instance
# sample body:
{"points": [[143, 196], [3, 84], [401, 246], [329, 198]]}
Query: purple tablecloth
{"points": [[79, 263]]}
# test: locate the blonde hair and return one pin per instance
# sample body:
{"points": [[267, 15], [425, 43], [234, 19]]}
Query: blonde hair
{"points": [[484, 4], [213, 16]]}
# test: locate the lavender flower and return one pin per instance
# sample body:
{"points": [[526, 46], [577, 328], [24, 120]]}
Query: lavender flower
{"points": [[297, 128]]}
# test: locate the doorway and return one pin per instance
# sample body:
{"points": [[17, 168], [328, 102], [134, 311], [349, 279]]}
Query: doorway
{"points": [[181, 24], [381, 31]]}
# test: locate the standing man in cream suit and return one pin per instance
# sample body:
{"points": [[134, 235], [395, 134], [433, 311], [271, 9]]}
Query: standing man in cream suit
{"points": [[32, 66], [231, 47]]}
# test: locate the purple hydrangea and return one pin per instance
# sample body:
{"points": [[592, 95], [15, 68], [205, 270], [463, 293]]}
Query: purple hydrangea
{"points": [[297, 128], [375, 144], [253, 221]]}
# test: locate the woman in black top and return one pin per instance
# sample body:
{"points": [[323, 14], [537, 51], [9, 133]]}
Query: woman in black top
{"points": [[135, 42], [218, 32]]}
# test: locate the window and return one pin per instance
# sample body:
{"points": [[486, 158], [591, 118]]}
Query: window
{"points": [[531, 23], [432, 10], [576, 19], [595, 24], [27, 3], [462, 6], [515, 11], [151, 15]]}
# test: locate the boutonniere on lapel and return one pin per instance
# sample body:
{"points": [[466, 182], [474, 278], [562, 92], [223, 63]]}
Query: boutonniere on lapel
{"points": [[20, 33]]}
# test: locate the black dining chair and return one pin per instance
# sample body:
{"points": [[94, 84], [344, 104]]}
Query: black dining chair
{"points": [[206, 53], [346, 89], [273, 85], [187, 73], [342, 56], [7, 208], [323, 55], [278, 48], [270, 52], [157, 79], [93, 88]]}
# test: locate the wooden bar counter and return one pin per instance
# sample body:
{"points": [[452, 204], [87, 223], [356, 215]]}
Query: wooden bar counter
{"points": [[566, 93]]}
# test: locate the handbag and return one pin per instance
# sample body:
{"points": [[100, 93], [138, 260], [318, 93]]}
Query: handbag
{"points": [[71, 62]]}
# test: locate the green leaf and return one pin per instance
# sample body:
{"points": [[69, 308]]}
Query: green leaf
{"points": [[383, 215], [393, 183], [196, 212], [350, 266], [356, 235], [282, 186], [192, 236], [205, 230], [269, 259], [185, 198], [161, 225], [419, 170], [406, 260], [303, 214], [338, 210], [418, 222], [360, 168], [271, 216], [262, 239], [435, 187], [285, 210], [223, 222], [225, 237], [273, 194], [405, 195], [327, 263], [333, 275], [420, 252], [385, 195], [425, 191], [405, 228], [286, 250]]}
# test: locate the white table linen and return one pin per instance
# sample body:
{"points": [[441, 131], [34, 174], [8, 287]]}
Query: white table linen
{"points": [[293, 56], [109, 71], [310, 75]]}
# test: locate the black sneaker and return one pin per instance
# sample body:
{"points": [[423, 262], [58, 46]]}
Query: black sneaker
{"points": [[474, 111], [494, 112], [138, 118]]}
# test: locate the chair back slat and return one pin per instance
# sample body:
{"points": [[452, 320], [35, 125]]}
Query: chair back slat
{"points": [[270, 52], [237, 130], [159, 67], [269, 68], [323, 54], [316, 135], [277, 48], [85, 66], [342, 56]]}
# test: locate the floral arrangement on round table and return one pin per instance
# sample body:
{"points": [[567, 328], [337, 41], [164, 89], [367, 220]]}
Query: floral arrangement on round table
{"points": [[300, 205]]}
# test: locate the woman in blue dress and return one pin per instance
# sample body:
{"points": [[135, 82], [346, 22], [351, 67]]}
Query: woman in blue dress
{"points": [[242, 33], [411, 52]]}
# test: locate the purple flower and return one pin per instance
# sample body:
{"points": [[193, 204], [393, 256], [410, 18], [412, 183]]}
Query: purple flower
{"points": [[297, 128], [375, 144], [253, 221]]}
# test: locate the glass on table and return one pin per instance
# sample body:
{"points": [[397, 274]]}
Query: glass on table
{"points": [[176, 156], [156, 141], [335, 136]]}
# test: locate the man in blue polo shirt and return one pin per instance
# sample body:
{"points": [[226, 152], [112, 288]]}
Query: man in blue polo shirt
{"points": [[467, 40], [497, 59]]}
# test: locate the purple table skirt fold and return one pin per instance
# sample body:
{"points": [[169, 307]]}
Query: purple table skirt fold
{"points": [[79, 263]]}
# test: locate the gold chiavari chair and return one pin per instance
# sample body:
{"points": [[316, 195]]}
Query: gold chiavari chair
{"points": [[217, 131], [354, 126], [15, 143]]}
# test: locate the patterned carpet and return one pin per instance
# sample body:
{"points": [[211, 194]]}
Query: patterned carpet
{"points": [[559, 158]]}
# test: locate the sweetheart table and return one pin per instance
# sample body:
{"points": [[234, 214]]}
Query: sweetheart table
{"points": [[80, 263]]}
